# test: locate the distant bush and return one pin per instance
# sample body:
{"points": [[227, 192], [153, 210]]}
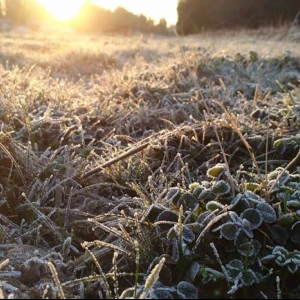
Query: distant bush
{"points": [[196, 15]]}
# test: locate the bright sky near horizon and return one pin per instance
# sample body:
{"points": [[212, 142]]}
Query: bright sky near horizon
{"points": [[155, 9]]}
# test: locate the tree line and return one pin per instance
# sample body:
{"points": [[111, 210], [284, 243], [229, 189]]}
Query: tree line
{"points": [[91, 18], [95, 18], [197, 15]]}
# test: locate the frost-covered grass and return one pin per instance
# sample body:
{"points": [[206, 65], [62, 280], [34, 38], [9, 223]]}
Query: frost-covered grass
{"points": [[150, 166]]}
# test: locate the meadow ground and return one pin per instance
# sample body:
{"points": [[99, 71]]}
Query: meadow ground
{"points": [[123, 158]]}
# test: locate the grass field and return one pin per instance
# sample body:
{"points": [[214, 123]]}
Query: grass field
{"points": [[150, 166]]}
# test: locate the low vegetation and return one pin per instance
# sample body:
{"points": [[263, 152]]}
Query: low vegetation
{"points": [[149, 166]]}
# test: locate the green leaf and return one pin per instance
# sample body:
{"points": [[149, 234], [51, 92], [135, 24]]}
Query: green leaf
{"points": [[280, 145], [252, 186], [279, 234], [213, 205], [293, 204], [286, 220], [216, 170]]}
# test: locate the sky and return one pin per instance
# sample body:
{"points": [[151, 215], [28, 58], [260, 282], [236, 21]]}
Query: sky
{"points": [[154, 9]]}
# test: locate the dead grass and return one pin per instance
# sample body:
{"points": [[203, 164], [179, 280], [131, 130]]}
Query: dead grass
{"points": [[94, 127]]}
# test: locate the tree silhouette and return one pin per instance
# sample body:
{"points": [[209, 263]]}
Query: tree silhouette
{"points": [[196, 15]]}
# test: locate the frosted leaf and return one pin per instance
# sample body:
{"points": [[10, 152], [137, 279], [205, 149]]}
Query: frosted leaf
{"points": [[169, 216], [221, 187], [188, 201], [205, 217], [253, 216], [295, 235], [295, 196], [267, 212], [160, 294], [235, 264], [197, 191], [236, 199], [171, 234], [279, 234], [152, 213], [280, 175], [173, 194], [252, 186], [214, 274], [279, 250], [127, 294], [206, 195], [268, 258], [257, 246], [216, 170], [213, 205], [187, 234], [292, 268], [235, 218], [248, 277], [192, 271], [194, 186], [186, 290], [246, 227], [280, 145], [241, 238], [229, 231], [246, 249], [293, 204], [282, 196], [175, 250], [250, 196]]}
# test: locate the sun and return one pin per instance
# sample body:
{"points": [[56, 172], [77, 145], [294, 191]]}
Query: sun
{"points": [[63, 10]]}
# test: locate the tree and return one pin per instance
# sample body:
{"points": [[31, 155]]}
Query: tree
{"points": [[22, 11], [196, 15]]}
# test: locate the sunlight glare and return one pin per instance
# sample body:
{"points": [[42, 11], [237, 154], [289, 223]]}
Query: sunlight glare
{"points": [[155, 9], [63, 10]]}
